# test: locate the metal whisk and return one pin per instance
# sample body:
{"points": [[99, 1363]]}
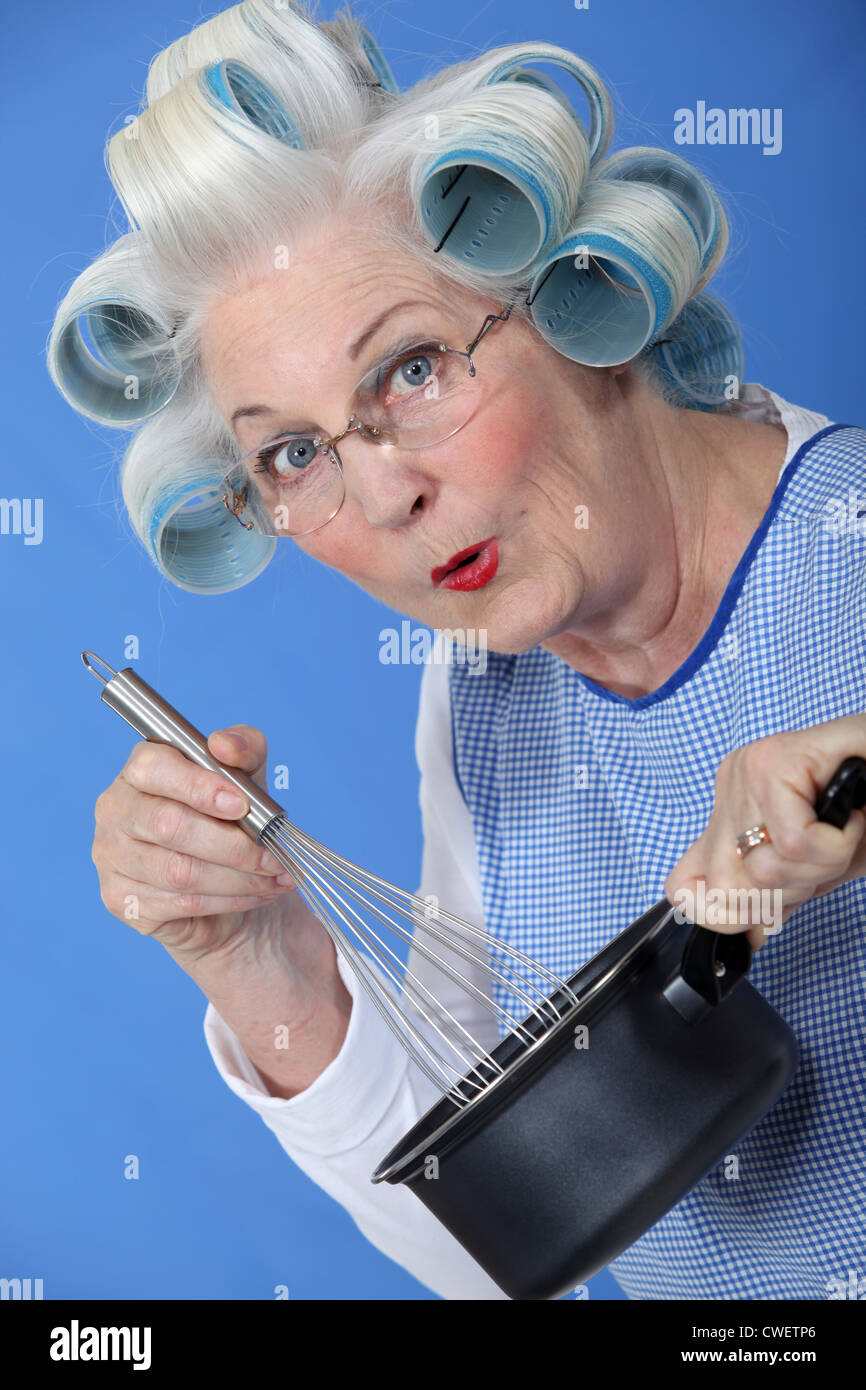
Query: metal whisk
{"points": [[348, 901]]}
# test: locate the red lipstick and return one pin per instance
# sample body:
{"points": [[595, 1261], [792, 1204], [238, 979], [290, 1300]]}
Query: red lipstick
{"points": [[471, 568]]}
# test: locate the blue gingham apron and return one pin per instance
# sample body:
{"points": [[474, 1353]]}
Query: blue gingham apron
{"points": [[582, 801]]}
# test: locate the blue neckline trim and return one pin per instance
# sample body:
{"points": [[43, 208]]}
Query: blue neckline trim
{"points": [[710, 638]]}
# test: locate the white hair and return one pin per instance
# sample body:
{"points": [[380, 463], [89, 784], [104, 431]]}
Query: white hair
{"points": [[259, 126]]}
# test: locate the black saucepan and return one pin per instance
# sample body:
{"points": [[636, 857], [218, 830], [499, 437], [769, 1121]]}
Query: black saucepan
{"points": [[592, 1134]]}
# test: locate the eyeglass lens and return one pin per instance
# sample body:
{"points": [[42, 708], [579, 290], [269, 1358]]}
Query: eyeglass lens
{"points": [[417, 398]]}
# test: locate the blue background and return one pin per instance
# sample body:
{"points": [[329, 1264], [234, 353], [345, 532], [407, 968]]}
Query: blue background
{"points": [[101, 1034]]}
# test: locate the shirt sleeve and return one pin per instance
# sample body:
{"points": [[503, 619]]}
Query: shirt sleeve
{"points": [[340, 1128]]}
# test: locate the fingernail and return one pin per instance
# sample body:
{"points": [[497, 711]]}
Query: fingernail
{"points": [[230, 802], [285, 880], [269, 864], [237, 739]]}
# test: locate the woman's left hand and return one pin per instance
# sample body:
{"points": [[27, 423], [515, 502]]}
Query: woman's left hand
{"points": [[775, 782]]}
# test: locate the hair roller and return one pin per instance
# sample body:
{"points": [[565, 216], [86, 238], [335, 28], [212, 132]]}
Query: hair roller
{"points": [[509, 63], [541, 79], [202, 146], [240, 91], [699, 354], [110, 352], [178, 512], [303, 63], [504, 177], [687, 185], [623, 273], [198, 545]]}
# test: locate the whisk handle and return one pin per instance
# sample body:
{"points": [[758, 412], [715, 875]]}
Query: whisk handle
{"points": [[159, 722]]}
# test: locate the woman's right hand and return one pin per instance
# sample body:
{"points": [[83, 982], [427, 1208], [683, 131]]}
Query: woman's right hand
{"points": [[170, 861]]}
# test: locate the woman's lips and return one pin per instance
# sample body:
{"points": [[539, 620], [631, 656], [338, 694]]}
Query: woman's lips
{"points": [[472, 575]]}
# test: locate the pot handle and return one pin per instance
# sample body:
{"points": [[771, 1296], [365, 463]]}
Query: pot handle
{"points": [[713, 962]]}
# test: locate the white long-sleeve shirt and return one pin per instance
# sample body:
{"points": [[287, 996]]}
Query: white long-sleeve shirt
{"points": [[340, 1128]]}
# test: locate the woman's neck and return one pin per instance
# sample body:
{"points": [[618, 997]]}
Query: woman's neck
{"points": [[721, 472]]}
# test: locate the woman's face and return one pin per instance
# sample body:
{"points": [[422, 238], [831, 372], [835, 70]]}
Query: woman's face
{"points": [[549, 437]]}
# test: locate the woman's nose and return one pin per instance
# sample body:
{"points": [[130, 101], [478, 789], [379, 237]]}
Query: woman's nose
{"points": [[384, 481]]}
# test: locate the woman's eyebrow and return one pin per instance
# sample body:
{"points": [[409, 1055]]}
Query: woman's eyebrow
{"points": [[356, 348], [374, 327]]}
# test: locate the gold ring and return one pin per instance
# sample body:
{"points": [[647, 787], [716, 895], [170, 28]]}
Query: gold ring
{"points": [[751, 838]]}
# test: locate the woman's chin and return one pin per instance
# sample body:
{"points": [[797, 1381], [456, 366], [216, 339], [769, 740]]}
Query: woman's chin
{"points": [[509, 620], [508, 639], [508, 643], [519, 619]]}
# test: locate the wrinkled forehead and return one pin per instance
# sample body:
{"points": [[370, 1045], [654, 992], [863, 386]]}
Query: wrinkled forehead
{"points": [[316, 290], [305, 315]]}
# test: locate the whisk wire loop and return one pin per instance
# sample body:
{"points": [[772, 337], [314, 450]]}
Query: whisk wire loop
{"points": [[374, 924]]}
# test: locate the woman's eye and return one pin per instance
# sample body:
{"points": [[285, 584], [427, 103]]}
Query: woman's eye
{"points": [[412, 372], [289, 458]]}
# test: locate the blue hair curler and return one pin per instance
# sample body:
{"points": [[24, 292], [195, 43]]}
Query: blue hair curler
{"points": [[590, 315], [239, 90], [541, 79], [196, 542], [699, 354], [600, 105], [494, 200], [511, 217], [378, 62], [628, 264], [126, 372], [693, 193]]}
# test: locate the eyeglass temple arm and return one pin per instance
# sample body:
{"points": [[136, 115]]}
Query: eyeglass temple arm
{"points": [[487, 324]]}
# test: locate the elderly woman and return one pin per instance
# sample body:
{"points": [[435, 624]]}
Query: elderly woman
{"points": [[671, 599]]}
